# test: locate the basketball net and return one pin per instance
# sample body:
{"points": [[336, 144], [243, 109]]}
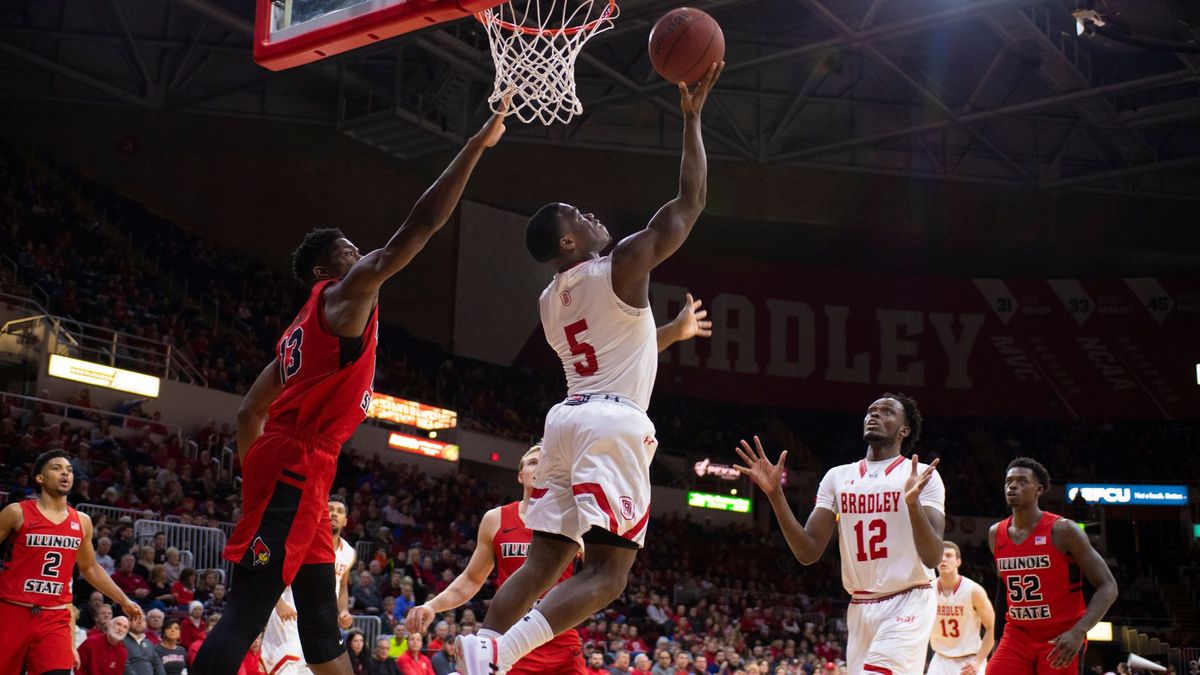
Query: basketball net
{"points": [[534, 49]]}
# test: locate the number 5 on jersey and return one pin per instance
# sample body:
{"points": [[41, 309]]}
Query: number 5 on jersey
{"points": [[588, 366]]}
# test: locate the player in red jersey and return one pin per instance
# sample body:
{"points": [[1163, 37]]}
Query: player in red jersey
{"points": [[292, 423], [49, 537], [1039, 556]]}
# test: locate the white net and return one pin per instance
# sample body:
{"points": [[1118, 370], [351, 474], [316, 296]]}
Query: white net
{"points": [[534, 47]]}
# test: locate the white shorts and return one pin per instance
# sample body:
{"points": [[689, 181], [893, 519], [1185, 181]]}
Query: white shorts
{"points": [[281, 651], [951, 665], [891, 635], [594, 470]]}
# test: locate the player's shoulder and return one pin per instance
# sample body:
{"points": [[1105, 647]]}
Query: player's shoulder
{"points": [[13, 510]]}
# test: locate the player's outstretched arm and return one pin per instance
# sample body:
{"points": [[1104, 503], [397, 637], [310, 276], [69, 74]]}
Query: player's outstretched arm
{"points": [[252, 414], [1071, 540], [465, 585], [428, 215], [641, 252], [345, 618], [97, 577], [689, 323], [928, 523], [807, 542], [987, 617]]}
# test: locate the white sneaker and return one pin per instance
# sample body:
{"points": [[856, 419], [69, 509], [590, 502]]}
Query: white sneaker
{"points": [[475, 655]]}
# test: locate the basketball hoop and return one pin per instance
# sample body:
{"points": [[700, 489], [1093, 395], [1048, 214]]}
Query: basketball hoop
{"points": [[534, 49]]}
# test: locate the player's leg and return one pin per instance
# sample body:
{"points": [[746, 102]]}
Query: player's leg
{"points": [[943, 665], [50, 650], [1043, 662], [549, 554], [253, 596], [902, 636], [316, 607], [562, 656], [858, 639], [16, 637], [1013, 655]]}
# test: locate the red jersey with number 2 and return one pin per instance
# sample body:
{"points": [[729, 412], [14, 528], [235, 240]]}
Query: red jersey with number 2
{"points": [[43, 559], [1044, 586], [327, 379]]}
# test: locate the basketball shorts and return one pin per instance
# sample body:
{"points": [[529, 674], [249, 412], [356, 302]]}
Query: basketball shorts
{"points": [[35, 640], [951, 665], [891, 635], [281, 649], [562, 655], [1020, 653], [594, 470], [285, 502]]}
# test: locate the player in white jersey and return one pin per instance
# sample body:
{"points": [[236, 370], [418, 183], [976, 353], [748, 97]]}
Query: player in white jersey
{"points": [[889, 519], [281, 651], [962, 609], [593, 484]]}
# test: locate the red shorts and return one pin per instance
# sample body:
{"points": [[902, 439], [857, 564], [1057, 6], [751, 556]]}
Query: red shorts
{"points": [[1021, 654], [563, 654], [285, 502], [38, 640]]}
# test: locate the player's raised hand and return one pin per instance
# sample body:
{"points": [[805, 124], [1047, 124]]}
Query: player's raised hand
{"points": [[915, 483], [1066, 648], [766, 476], [493, 129], [132, 610], [691, 320], [418, 619], [345, 619], [692, 100]]}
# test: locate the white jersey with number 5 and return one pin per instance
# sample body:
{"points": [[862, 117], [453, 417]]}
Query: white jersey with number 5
{"points": [[956, 631], [879, 556], [606, 346]]}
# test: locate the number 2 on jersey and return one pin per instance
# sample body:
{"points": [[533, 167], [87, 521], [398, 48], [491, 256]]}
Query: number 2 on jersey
{"points": [[588, 365], [872, 549], [50, 568]]}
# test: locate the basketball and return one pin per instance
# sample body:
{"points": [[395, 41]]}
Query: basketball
{"points": [[684, 43]]}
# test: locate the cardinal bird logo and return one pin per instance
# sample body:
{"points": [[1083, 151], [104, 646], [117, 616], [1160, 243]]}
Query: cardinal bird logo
{"points": [[262, 554]]}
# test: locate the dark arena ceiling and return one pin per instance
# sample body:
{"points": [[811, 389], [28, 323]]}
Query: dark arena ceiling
{"points": [[988, 91]]}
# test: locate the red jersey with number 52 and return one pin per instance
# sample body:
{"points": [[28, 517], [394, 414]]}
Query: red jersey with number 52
{"points": [[1044, 586], [43, 559], [606, 346], [327, 380], [875, 536]]}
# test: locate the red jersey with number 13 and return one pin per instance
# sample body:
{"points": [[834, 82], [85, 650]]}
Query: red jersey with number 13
{"points": [[43, 559], [1044, 586], [327, 379]]}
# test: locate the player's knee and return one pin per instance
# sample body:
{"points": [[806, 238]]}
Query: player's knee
{"points": [[321, 644]]}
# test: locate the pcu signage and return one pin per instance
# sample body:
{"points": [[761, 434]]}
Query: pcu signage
{"points": [[1119, 494]]}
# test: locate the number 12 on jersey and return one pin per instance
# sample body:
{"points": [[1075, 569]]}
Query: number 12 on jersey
{"points": [[872, 549], [588, 366]]}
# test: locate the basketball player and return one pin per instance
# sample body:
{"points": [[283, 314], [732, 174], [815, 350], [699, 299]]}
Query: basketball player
{"points": [[890, 520], [35, 587], [593, 482], [304, 405], [1039, 556], [281, 649], [962, 609]]}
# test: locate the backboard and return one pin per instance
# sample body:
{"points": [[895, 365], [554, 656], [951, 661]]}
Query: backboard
{"points": [[290, 33]]}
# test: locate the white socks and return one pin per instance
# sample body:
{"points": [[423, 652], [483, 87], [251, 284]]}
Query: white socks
{"points": [[526, 635]]}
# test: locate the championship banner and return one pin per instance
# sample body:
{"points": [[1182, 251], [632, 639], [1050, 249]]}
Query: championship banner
{"points": [[1059, 348]]}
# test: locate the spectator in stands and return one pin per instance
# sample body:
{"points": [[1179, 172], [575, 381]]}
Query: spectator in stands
{"points": [[683, 663], [208, 626], [380, 663], [216, 601], [142, 657], [205, 585], [154, 625], [365, 597], [700, 666], [443, 660], [87, 615], [103, 555], [641, 663], [123, 542], [441, 635], [145, 562], [252, 664], [620, 664], [81, 463], [170, 652], [392, 585], [160, 548], [405, 601], [185, 588], [104, 616], [194, 628], [413, 662], [595, 664], [160, 589], [104, 653], [356, 650], [133, 584], [174, 567]]}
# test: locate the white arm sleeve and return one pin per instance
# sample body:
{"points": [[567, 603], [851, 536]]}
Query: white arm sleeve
{"points": [[826, 498], [934, 493]]}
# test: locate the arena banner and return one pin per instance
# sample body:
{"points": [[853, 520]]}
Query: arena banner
{"points": [[1044, 348]]}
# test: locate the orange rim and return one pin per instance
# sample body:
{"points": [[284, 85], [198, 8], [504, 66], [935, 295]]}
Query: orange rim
{"points": [[485, 17]]}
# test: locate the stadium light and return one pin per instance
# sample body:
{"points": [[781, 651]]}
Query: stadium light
{"points": [[100, 375]]}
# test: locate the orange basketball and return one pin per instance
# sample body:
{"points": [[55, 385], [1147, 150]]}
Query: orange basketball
{"points": [[684, 43]]}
